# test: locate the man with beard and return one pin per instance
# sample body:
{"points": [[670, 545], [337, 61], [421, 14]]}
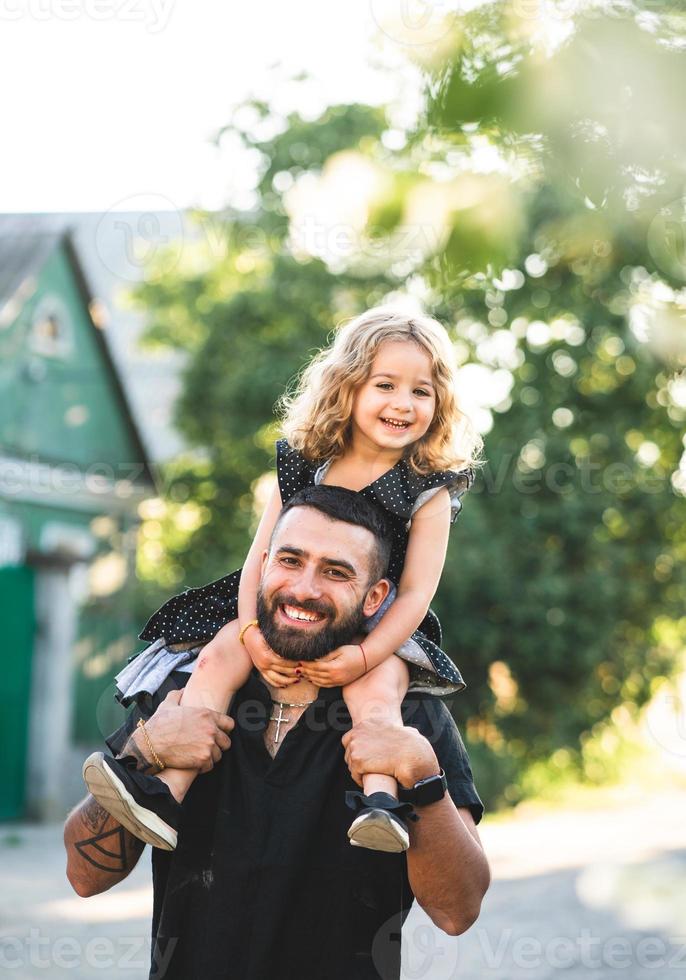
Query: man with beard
{"points": [[263, 882]]}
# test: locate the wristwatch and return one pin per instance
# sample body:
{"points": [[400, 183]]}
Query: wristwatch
{"points": [[429, 790]]}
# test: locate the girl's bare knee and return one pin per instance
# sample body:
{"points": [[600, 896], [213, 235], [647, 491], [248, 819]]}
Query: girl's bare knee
{"points": [[402, 674], [214, 653], [377, 695], [230, 631], [393, 677]]}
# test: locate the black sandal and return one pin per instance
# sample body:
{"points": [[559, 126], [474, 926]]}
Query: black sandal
{"points": [[380, 822], [142, 804]]}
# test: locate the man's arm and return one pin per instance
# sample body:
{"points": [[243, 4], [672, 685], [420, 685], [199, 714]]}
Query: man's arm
{"points": [[100, 853], [446, 864], [183, 737]]}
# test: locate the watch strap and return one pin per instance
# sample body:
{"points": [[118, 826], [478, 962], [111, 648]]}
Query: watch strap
{"points": [[426, 791]]}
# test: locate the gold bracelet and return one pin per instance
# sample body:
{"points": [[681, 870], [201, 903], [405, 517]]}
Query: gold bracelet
{"points": [[253, 622], [158, 762]]}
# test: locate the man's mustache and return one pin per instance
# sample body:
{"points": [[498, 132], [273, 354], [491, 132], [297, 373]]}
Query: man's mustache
{"points": [[309, 605], [336, 628]]}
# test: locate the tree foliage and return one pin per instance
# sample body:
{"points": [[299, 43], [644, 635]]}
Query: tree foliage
{"points": [[562, 596]]}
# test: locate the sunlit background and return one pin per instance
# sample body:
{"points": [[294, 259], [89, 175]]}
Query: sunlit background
{"points": [[192, 198]]}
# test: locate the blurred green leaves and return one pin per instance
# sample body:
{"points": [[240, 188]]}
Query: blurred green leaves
{"points": [[536, 209]]}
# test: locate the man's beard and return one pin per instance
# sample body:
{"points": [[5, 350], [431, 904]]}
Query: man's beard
{"points": [[299, 644]]}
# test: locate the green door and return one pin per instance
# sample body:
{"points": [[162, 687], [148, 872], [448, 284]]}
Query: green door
{"points": [[18, 620]]}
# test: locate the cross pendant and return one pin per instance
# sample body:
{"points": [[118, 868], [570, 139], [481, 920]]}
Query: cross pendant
{"points": [[282, 719]]}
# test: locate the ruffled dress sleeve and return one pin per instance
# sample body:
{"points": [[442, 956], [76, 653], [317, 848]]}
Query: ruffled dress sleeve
{"points": [[457, 483]]}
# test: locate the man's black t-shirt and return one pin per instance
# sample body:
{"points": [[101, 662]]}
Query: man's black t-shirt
{"points": [[264, 883]]}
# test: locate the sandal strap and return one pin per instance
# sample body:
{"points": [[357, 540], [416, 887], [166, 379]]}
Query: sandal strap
{"points": [[379, 801]]}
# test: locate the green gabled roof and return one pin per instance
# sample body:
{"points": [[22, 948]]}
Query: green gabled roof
{"points": [[22, 257]]}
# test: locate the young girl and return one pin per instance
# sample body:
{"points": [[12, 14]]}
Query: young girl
{"points": [[376, 413]]}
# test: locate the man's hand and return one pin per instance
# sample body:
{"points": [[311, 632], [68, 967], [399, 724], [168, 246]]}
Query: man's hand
{"points": [[274, 669], [187, 738], [340, 667], [392, 750], [446, 864]]}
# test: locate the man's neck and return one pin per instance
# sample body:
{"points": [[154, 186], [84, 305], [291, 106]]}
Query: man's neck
{"points": [[283, 719], [300, 692]]}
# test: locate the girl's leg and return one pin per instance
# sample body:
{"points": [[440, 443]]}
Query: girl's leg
{"points": [[222, 669], [377, 696]]}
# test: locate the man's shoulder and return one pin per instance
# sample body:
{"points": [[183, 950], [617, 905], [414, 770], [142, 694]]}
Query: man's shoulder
{"points": [[432, 718], [429, 715]]}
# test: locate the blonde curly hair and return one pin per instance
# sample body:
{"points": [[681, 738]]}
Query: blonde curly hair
{"points": [[316, 415]]}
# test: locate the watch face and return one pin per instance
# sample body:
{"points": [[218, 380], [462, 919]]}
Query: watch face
{"points": [[426, 791]]}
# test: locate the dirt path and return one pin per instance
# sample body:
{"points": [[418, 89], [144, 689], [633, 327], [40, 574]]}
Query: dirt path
{"points": [[594, 894]]}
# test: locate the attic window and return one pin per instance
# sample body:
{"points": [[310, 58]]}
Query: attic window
{"points": [[51, 331]]}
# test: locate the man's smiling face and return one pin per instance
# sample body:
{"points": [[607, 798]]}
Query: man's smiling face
{"points": [[315, 591]]}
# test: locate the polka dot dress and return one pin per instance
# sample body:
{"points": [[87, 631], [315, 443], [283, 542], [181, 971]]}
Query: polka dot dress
{"points": [[196, 615]]}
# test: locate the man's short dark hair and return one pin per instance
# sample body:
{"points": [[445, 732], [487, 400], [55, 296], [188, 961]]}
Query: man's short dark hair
{"points": [[348, 506]]}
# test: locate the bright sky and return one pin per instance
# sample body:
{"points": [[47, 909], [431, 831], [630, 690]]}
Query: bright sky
{"points": [[106, 101]]}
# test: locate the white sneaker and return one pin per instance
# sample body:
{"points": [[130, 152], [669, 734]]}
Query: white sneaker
{"points": [[379, 830], [125, 794]]}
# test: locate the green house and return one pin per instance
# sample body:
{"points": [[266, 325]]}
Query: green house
{"points": [[73, 473]]}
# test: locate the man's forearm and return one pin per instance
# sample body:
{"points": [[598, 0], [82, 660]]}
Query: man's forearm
{"points": [[447, 866], [137, 747], [446, 863], [100, 853]]}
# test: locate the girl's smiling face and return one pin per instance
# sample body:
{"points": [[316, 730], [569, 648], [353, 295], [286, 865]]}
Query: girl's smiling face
{"points": [[395, 406]]}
